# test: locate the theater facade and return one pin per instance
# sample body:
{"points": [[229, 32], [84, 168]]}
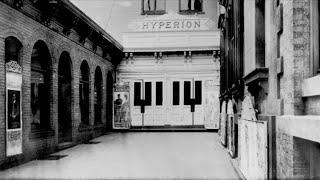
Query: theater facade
{"points": [[171, 64]]}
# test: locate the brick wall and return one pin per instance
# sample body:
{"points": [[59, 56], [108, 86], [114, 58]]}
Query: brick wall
{"points": [[301, 158], [297, 148], [284, 149], [301, 49], [28, 32], [2, 102]]}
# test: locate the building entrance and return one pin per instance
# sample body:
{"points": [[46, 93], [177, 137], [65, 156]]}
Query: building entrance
{"points": [[166, 101]]}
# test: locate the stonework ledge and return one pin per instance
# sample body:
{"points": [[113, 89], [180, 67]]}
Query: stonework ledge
{"points": [[311, 86], [257, 75], [306, 127]]}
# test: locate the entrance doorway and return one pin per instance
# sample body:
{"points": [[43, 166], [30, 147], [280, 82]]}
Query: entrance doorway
{"points": [[166, 102], [64, 99]]}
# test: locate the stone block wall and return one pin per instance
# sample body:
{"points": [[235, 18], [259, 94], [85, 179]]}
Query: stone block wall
{"points": [[284, 151], [297, 147]]}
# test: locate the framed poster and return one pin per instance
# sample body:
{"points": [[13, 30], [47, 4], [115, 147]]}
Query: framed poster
{"points": [[14, 130], [13, 105], [121, 101], [13, 109]]}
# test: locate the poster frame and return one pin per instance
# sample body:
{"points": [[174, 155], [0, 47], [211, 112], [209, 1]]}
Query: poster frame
{"points": [[126, 124]]}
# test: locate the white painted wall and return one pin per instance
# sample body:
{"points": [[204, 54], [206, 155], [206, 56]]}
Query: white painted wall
{"points": [[115, 15]]}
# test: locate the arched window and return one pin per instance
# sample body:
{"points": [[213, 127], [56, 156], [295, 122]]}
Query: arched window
{"points": [[84, 92], [97, 96], [13, 49], [40, 86], [65, 98]]}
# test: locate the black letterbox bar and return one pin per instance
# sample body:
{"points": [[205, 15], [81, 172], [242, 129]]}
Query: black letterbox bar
{"points": [[142, 105], [192, 104]]}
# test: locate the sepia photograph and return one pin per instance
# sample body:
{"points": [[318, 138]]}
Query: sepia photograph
{"points": [[159, 89]]}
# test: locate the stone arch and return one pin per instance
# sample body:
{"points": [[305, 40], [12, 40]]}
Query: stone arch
{"points": [[15, 33], [39, 35], [64, 48]]}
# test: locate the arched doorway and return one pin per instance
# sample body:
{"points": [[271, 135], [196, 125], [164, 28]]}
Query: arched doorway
{"points": [[109, 106], [40, 87], [84, 93], [64, 99], [97, 95]]}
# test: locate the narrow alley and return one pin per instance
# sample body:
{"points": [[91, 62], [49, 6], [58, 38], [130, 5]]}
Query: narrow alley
{"points": [[135, 155]]}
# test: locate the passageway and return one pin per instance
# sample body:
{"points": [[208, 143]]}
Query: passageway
{"points": [[136, 155]]}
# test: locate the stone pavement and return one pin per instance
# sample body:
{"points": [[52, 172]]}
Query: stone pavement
{"points": [[136, 155]]}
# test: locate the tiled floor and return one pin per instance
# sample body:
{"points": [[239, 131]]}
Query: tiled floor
{"points": [[136, 155]]}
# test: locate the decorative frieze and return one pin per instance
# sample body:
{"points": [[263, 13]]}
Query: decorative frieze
{"points": [[13, 66]]}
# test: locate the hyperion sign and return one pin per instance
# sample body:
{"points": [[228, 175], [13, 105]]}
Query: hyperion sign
{"points": [[172, 22]]}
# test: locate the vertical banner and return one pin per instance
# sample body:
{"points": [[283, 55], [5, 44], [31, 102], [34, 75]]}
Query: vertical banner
{"points": [[223, 123], [254, 149], [230, 128], [212, 106], [254, 142], [13, 109], [121, 101]]}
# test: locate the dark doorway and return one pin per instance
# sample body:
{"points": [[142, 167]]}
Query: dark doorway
{"points": [[40, 87], [97, 96], [84, 93], [109, 109], [64, 99]]}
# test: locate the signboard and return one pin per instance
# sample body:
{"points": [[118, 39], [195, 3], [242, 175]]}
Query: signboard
{"points": [[172, 22], [13, 109], [211, 108], [223, 123], [230, 128], [254, 144], [253, 149], [121, 101]]}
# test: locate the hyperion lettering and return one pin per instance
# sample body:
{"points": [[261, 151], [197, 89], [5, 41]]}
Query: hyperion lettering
{"points": [[171, 25]]}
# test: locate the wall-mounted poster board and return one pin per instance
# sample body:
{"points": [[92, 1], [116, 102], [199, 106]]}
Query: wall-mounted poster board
{"points": [[121, 101], [13, 109]]}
